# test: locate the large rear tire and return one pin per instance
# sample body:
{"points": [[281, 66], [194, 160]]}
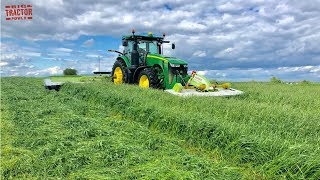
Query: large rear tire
{"points": [[148, 78], [119, 73]]}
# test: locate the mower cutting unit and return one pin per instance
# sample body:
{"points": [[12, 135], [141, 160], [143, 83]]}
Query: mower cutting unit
{"points": [[48, 84], [142, 62]]}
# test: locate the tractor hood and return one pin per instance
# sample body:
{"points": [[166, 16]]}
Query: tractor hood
{"points": [[171, 60]]}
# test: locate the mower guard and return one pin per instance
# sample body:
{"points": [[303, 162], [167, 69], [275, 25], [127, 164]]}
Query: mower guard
{"points": [[218, 92]]}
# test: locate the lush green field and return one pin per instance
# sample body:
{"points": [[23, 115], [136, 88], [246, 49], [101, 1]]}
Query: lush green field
{"points": [[98, 130], [76, 78]]}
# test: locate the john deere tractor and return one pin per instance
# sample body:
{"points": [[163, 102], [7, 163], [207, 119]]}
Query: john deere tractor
{"points": [[142, 62]]}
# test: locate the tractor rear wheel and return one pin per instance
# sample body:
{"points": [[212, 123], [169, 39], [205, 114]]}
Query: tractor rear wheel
{"points": [[119, 73], [148, 78]]}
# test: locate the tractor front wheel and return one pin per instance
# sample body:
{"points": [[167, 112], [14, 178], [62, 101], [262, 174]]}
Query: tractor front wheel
{"points": [[119, 74], [148, 78]]}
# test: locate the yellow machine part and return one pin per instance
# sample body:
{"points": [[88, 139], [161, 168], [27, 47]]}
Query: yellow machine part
{"points": [[144, 81], [178, 87], [118, 76]]}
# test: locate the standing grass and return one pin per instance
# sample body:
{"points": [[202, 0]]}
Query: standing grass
{"points": [[101, 130], [261, 129], [48, 134]]}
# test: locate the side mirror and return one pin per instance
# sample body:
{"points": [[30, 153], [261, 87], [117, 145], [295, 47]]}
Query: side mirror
{"points": [[173, 46], [124, 43]]}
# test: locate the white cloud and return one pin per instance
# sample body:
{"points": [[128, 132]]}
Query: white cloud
{"points": [[46, 72], [203, 73], [228, 7], [33, 54], [88, 43], [92, 55], [127, 19], [282, 8], [191, 26], [66, 50], [3, 63], [225, 53], [49, 3], [8, 56], [284, 73], [313, 69], [199, 53], [286, 20]]}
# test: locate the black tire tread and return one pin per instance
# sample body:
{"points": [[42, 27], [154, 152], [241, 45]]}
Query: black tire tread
{"points": [[152, 76]]}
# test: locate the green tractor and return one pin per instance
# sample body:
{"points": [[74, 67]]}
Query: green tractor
{"points": [[142, 62]]}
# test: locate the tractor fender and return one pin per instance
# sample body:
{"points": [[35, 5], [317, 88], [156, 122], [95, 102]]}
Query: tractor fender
{"points": [[124, 59], [137, 72]]}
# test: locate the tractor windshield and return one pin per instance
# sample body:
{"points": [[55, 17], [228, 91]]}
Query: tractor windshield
{"points": [[149, 46], [153, 47]]}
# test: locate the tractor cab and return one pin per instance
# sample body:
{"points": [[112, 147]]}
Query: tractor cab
{"points": [[148, 47], [143, 44]]}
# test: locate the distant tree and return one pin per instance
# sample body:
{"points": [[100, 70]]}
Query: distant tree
{"points": [[69, 71], [275, 80], [305, 82]]}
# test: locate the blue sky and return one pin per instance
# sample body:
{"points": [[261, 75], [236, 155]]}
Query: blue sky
{"points": [[238, 40]]}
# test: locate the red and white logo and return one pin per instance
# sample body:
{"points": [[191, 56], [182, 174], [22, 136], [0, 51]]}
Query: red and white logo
{"points": [[18, 12]]}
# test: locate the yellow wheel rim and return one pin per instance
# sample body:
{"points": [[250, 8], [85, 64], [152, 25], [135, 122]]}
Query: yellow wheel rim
{"points": [[118, 76], [144, 81]]}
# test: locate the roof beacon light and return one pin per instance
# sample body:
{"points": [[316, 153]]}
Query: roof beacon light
{"points": [[150, 34]]}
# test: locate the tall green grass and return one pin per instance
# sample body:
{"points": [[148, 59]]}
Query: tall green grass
{"points": [[50, 135], [99, 130], [273, 128]]}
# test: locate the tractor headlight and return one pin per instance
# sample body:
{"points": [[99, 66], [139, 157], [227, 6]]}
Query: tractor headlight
{"points": [[175, 65]]}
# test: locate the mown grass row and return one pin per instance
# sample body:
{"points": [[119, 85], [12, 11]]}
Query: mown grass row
{"points": [[278, 137], [48, 134], [77, 79]]}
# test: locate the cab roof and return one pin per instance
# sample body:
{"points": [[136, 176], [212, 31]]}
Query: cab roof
{"points": [[142, 37]]}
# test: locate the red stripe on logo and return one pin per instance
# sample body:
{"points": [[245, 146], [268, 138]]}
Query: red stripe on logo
{"points": [[29, 6], [7, 6], [8, 19], [29, 17]]}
